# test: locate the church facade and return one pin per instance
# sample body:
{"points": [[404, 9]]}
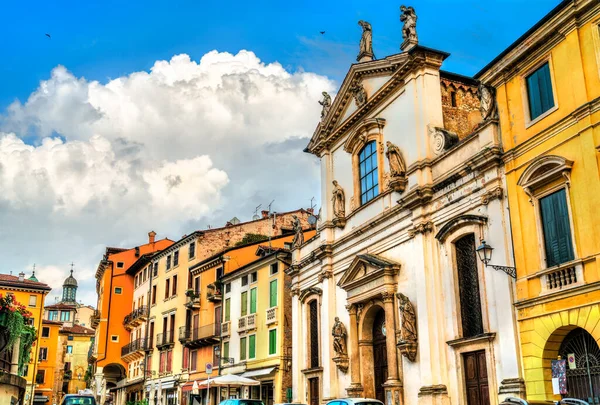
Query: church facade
{"points": [[389, 299]]}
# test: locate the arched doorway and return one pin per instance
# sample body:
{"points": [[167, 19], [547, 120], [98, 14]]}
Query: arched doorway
{"points": [[583, 380], [380, 366]]}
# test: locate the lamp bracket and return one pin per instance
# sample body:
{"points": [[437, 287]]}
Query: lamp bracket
{"points": [[511, 271]]}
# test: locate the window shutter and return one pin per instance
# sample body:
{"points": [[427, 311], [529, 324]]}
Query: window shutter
{"points": [[533, 87], [556, 229], [273, 295], [253, 301], [243, 348], [547, 99], [244, 303], [252, 344], [272, 341], [227, 309]]}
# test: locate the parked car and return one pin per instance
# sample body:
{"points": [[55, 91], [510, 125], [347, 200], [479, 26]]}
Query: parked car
{"points": [[355, 401], [242, 402], [77, 399], [291, 403], [564, 401]]}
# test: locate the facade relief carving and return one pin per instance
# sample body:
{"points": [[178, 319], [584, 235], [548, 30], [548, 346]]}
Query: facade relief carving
{"points": [[408, 17], [339, 345], [408, 332], [487, 98], [339, 205], [423, 227], [398, 180], [326, 103], [491, 195], [441, 139], [360, 95], [365, 53]]}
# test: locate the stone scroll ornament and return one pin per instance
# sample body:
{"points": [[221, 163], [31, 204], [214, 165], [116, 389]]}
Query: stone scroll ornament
{"points": [[339, 345], [326, 103], [408, 332], [298, 234], [339, 205], [398, 178]]}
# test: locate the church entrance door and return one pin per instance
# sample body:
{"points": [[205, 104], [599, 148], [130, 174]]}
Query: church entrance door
{"points": [[380, 363]]}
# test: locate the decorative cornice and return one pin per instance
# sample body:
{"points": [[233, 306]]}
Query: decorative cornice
{"points": [[308, 292], [439, 389], [324, 275], [357, 138], [489, 195], [387, 296], [458, 222], [423, 227]]}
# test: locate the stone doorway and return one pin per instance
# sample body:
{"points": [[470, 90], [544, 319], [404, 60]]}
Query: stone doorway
{"points": [[380, 364], [476, 378]]}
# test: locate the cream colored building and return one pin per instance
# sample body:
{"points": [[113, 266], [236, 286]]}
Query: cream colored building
{"points": [[423, 181]]}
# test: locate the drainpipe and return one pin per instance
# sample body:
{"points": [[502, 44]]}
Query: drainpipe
{"points": [[147, 324]]}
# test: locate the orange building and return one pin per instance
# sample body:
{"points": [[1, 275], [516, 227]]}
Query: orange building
{"points": [[207, 315], [115, 295], [48, 376]]}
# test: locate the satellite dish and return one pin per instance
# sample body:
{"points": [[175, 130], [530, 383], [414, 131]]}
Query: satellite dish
{"points": [[312, 219]]}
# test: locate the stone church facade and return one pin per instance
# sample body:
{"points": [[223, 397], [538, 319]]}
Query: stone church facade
{"points": [[389, 299]]}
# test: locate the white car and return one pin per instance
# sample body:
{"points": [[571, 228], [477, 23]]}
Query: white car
{"points": [[355, 401]]}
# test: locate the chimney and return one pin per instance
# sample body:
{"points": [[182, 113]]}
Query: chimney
{"points": [[137, 251], [151, 236], [265, 214], [21, 276]]}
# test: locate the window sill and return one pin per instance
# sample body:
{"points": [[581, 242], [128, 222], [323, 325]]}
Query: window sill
{"points": [[484, 337], [540, 117]]}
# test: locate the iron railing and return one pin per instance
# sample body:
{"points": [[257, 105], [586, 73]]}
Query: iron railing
{"points": [[136, 345], [136, 314]]}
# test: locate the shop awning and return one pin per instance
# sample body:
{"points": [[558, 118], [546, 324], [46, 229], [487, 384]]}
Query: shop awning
{"points": [[261, 372]]}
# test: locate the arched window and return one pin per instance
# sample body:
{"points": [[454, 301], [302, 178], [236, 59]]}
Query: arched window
{"points": [[468, 286], [369, 179]]}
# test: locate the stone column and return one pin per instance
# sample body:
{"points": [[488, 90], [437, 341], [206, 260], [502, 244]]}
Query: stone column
{"points": [[14, 361], [393, 386], [355, 390]]}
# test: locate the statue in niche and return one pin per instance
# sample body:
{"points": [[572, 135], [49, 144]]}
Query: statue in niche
{"points": [[408, 332], [326, 103], [298, 234], [397, 166], [366, 41], [487, 98], [339, 338], [359, 94], [409, 29], [339, 201]]}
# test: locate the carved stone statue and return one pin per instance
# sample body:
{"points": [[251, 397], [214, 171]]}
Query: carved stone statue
{"points": [[397, 166], [366, 42], [298, 235], [409, 30], [326, 103], [339, 201], [339, 338], [359, 94], [408, 331], [487, 98]]}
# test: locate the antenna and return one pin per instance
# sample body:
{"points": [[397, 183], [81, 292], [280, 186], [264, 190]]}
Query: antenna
{"points": [[312, 206], [271, 230], [256, 216], [312, 219]]}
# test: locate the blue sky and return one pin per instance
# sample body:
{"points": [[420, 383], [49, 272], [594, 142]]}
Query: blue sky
{"points": [[105, 39]]}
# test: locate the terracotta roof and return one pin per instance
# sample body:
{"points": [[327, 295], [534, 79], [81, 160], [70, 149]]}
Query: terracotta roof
{"points": [[78, 329], [62, 305], [13, 281], [49, 322]]}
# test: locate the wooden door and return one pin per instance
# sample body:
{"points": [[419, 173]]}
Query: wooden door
{"points": [[476, 378], [194, 334], [218, 320], [380, 366], [313, 386]]}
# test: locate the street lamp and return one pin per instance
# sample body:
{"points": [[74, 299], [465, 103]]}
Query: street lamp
{"points": [[484, 251]]}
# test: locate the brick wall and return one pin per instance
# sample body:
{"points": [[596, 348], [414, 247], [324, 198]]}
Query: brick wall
{"points": [[460, 107]]}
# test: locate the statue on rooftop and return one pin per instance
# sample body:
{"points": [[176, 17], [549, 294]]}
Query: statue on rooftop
{"points": [[487, 98], [326, 103], [409, 18], [298, 234], [366, 42]]}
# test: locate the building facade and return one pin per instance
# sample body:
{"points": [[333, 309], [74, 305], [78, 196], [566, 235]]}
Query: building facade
{"points": [[548, 91], [389, 299]]}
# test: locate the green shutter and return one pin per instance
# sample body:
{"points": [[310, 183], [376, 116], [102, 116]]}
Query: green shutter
{"points": [[557, 229], [253, 301], [273, 341], [252, 344], [245, 303], [243, 348], [227, 310], [533, 94], [273, 294], [226, 350], [539, 91]]}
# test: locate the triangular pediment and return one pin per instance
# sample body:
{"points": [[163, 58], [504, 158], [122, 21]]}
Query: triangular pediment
{"points": [[366, 268]]}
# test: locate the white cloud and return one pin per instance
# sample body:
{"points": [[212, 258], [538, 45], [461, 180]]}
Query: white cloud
{"points": [[183, 145]]}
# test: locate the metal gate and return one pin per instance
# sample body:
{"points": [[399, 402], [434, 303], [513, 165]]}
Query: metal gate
{"points": [[583, 381]]}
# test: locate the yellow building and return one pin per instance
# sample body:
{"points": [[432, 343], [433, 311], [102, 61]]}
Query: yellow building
{"points": [[49, 371], [31, 293], [548, 94], [257, 339], [75, 342]]}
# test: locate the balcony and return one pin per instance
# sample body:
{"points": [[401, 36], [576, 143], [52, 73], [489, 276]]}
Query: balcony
{"points": [[136, 317], [165, 339], [95, 319], [271, 315], [213, 292], [226, 328], [133, 350], [246, 323], [203, 336], [185, 334], [193, 299]]}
